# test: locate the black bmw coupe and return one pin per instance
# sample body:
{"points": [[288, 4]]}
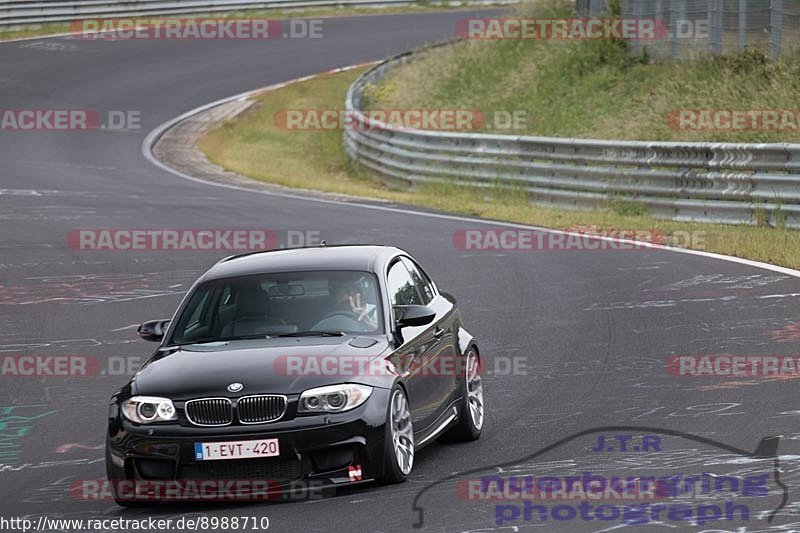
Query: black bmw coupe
{"points": [[333, 364]]}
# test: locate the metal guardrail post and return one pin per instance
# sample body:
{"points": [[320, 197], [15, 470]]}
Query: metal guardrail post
{"points": [[677, 16], [659, 15], [636, 45], [776, 27], [742, 23], [715, 26]]}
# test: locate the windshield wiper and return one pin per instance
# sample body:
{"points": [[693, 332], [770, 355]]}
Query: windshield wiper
{"points": [[224, 339], [313, 333]]}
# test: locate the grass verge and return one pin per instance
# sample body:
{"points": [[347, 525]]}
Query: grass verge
{"points": [[55, 28], [252, 145], [596, 88]]}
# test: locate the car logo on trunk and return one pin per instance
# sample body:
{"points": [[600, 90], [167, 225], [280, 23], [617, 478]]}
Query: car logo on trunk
{"points": [[235, 387]]}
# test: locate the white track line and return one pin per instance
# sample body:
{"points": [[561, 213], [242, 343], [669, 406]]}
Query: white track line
{"points": [[156, 134]]}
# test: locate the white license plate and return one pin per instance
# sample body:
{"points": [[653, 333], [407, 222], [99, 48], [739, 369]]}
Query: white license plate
{"points": [[237, 449]]}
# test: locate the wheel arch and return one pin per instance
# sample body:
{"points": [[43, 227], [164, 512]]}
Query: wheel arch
{"points": [[466, 341]]}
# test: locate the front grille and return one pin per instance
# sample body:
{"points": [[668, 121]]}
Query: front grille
{"points": [[259, 409], [209, 412], [272, 469]]}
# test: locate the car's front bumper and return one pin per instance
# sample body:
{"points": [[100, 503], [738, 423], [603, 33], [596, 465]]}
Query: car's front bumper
{"points": [[317, 451]]}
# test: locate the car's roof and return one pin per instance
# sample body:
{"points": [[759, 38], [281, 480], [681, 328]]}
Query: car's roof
{"points": [[368, 258]]}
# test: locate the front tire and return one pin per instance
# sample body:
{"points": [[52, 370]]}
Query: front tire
{"points": [[399, 439], [472, 410]]}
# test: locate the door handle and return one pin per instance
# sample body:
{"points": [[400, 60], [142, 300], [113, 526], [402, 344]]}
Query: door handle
{"points": [[438, 332]]}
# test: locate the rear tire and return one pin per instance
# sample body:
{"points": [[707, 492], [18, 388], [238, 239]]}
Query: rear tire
{"points": [[398, 454], [472, 410]]}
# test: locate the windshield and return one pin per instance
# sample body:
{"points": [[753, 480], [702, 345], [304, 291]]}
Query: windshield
{"points": [[281, 304]]}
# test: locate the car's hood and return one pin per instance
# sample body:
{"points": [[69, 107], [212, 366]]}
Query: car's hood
{"points": [[280, 366]]}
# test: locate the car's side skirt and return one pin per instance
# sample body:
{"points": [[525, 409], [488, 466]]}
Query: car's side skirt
{"points": [[449, 417]]}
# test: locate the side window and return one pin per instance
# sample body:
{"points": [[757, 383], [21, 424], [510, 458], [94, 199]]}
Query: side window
{"points": [[402, 289], [421, 280], [227, 296], [192, 326], [194, 318], [225, 309]]}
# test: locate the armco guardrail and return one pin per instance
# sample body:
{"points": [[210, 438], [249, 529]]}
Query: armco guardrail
{"points": [[707, 182], [41, 11]]}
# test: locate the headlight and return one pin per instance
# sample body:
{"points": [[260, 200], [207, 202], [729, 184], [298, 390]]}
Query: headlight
{"points": [[333, 398], [147, 409]]}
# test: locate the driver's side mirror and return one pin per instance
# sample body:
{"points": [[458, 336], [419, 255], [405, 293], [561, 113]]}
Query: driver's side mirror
{"points": [[153, 330], [413, 315]]}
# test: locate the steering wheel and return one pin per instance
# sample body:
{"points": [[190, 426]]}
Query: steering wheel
{"points": [[348, 314], [280, 321], [341, 320]]}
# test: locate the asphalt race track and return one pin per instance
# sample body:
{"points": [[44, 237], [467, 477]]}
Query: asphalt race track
{"points": [[590, 331]]}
